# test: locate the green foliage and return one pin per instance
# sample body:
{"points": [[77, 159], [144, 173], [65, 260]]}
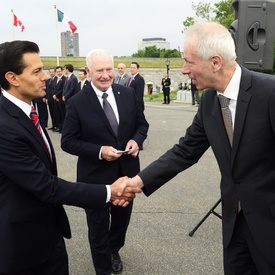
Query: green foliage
{"points": [[154, 52], [223, 13], [159, 97]]}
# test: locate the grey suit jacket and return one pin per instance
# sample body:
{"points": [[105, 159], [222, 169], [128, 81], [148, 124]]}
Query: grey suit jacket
{"points": [[123, 81], [247, 170]]}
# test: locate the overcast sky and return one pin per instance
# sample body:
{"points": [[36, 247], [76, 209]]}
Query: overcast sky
{"points": [[115, 25]]}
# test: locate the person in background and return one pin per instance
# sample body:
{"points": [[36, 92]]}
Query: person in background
{"points": [[33, 221], [137, 82], [195, 94], [122, 77], [59, 105], [83, 81], [236, 117], [107, 147], [70, 85], [166, 82], [49, 95]]}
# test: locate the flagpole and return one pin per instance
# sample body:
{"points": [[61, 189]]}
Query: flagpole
{"points": [[12, 24], [57, 37]]}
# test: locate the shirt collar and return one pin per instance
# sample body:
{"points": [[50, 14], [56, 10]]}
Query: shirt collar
{"points": [[25, 107], [232, 89]]}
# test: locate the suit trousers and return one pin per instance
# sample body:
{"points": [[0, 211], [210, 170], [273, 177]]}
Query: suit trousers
{"points": [[57, 264], [166, 95], [107, 235], [242, 256]]}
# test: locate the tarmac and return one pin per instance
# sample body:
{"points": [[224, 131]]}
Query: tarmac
{"points": [[158, 241]]}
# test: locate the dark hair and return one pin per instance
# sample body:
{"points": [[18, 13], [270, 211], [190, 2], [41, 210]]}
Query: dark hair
{"points": [[136, 64], [83, 71], [11, 58], [58, 67], [69, 67]]}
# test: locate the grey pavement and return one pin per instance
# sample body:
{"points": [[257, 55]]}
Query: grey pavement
{"points": [[158, 241]]}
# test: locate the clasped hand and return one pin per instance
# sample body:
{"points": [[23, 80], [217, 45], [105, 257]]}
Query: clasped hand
{"points": [[121, 195]]}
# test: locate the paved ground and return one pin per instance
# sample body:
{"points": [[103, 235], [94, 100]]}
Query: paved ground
{"points": [[157, 241]]}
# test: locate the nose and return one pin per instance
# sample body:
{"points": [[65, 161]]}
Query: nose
{"points": [[184, 69]]}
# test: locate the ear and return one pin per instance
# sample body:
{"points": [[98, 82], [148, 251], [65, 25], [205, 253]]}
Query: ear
{"points": [[87, 70], [216, 61], [12, 78]]}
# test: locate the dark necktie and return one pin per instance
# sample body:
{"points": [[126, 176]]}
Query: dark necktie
{"points": [[118, 79], [227, 118], [109, 112], [35, 119]]}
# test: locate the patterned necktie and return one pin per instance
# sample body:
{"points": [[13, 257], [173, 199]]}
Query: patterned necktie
{"points": [[109, 112], [227, 118], [35, 119]]}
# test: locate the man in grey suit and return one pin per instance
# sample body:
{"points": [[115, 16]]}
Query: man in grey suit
{"points": [[247, 164], [122, 77]]}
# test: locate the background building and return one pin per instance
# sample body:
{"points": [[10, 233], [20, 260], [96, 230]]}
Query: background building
{"points": [[69, 44], [159, 42]]}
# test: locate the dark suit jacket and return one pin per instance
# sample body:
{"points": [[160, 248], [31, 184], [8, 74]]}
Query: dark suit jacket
{"points": [[31, 194], [87, 82], [70, 87], [248, 170], [50, 89], [58, 87], [86, 128], [138, 84]]}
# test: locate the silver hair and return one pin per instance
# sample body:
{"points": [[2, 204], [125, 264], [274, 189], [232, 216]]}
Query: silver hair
{"points": [[212, 38], [97, 52]]}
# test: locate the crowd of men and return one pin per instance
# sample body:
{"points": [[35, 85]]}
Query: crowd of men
{"points": [[63, 84]]}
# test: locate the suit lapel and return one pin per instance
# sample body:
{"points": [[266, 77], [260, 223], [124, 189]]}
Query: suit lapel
{"points": [[220, 126], [92, 98], [241, 111], [23, 120]]}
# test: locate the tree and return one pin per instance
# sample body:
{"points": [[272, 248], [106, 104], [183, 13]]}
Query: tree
{"points": [[153, 51], [223, 13]]}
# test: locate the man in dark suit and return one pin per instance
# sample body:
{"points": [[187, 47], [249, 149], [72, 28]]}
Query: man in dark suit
{"points": [[166, 82], [70, 85], [59, 106], [137, 82], [49, 95], [32, 218], [83, 81], [246, 163], [88, 133]]}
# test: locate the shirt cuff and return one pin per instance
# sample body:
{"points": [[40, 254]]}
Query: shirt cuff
{"points": [[108, 188]]}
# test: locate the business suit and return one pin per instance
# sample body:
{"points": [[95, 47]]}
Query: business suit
{"points": [[31, 194], [87, 82], [166, 82], [86, 129], [49, 95], [138, 84], [70, 87], [124, 80], [59, 103], [42, 108], [247, 169]]}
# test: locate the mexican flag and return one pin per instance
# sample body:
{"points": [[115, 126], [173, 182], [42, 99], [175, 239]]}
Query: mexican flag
{"points": [[64, 19]]}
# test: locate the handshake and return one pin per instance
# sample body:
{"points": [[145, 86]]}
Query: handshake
{"points": [[124, 190]]}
